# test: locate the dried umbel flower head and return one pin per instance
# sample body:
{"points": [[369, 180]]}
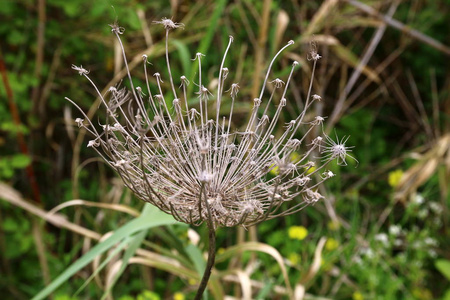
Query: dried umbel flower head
{"points": [[189, 162]]}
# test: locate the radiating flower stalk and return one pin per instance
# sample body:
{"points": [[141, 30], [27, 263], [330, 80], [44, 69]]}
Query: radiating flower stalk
{"points": [[197, 168]]}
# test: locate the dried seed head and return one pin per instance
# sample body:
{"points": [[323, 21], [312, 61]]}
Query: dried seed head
{"points": [[313, 55], [169, 24], [79, 122], [187, 159], [316, 97], [184, 81], [311, 197], [93, 143], [117, 29], [204, 93], [80, 70], [234, 90], [225, 73], [337, 150], [318, 120], [277, 83]]}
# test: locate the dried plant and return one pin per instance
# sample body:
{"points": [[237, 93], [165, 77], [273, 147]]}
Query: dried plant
{"points": [[173, 155]]}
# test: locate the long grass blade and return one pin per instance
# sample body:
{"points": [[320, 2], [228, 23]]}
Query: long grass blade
{"points": [[151, 217], [133, 245]]}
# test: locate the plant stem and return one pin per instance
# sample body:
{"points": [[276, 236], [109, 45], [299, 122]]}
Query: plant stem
{"points": [[210, 263]]}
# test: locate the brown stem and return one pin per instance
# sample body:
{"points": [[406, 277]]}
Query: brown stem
{"points": [[400, 26], [210, 263], [20, 138], [341, 105], [39, 51], [212, 246]]}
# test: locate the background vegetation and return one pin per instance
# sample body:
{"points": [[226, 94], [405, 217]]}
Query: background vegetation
{"points": [[382, 232]]}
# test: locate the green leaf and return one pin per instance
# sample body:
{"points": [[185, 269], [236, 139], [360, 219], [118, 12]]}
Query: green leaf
{"points": [[184, 55], [148, 295], [103, 264], [71, 8], [172, 241], [25, 245], [196, 257], [10, 225], [150, 217], [443, 266], [134, 244], [64, 297], [12, 128], [7, 172], [199, 262], [265, 291], [20, 161], [446, 295], [126, 297], [7, 8], [207, 38], [16, 38], [213, 22]]}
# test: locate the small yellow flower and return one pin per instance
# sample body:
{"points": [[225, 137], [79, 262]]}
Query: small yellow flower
{"points": [[297, 232], [357, 296], [148, 295], [294, 258], [178, 296], [422, 294], [192, 281], [331, 244], [310, 170], [274, 171], [295, 157], [220, 250], [395, 177], [333, 225], [184, 235]]}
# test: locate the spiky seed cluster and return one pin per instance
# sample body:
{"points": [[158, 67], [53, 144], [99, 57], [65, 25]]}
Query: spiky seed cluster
{"points": [[173, 155]]}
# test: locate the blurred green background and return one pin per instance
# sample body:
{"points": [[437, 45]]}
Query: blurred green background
{"points": [[382, 231]]}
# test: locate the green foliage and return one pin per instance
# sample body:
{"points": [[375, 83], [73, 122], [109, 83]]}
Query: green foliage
{"points": [[21, 241], [64, 297], [157, 219], [148, 295], [443, 266], [10, 164], [403, 257]]}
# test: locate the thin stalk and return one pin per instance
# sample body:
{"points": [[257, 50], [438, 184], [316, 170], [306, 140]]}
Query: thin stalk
{"points": [[210, 262], [211, 249]]}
